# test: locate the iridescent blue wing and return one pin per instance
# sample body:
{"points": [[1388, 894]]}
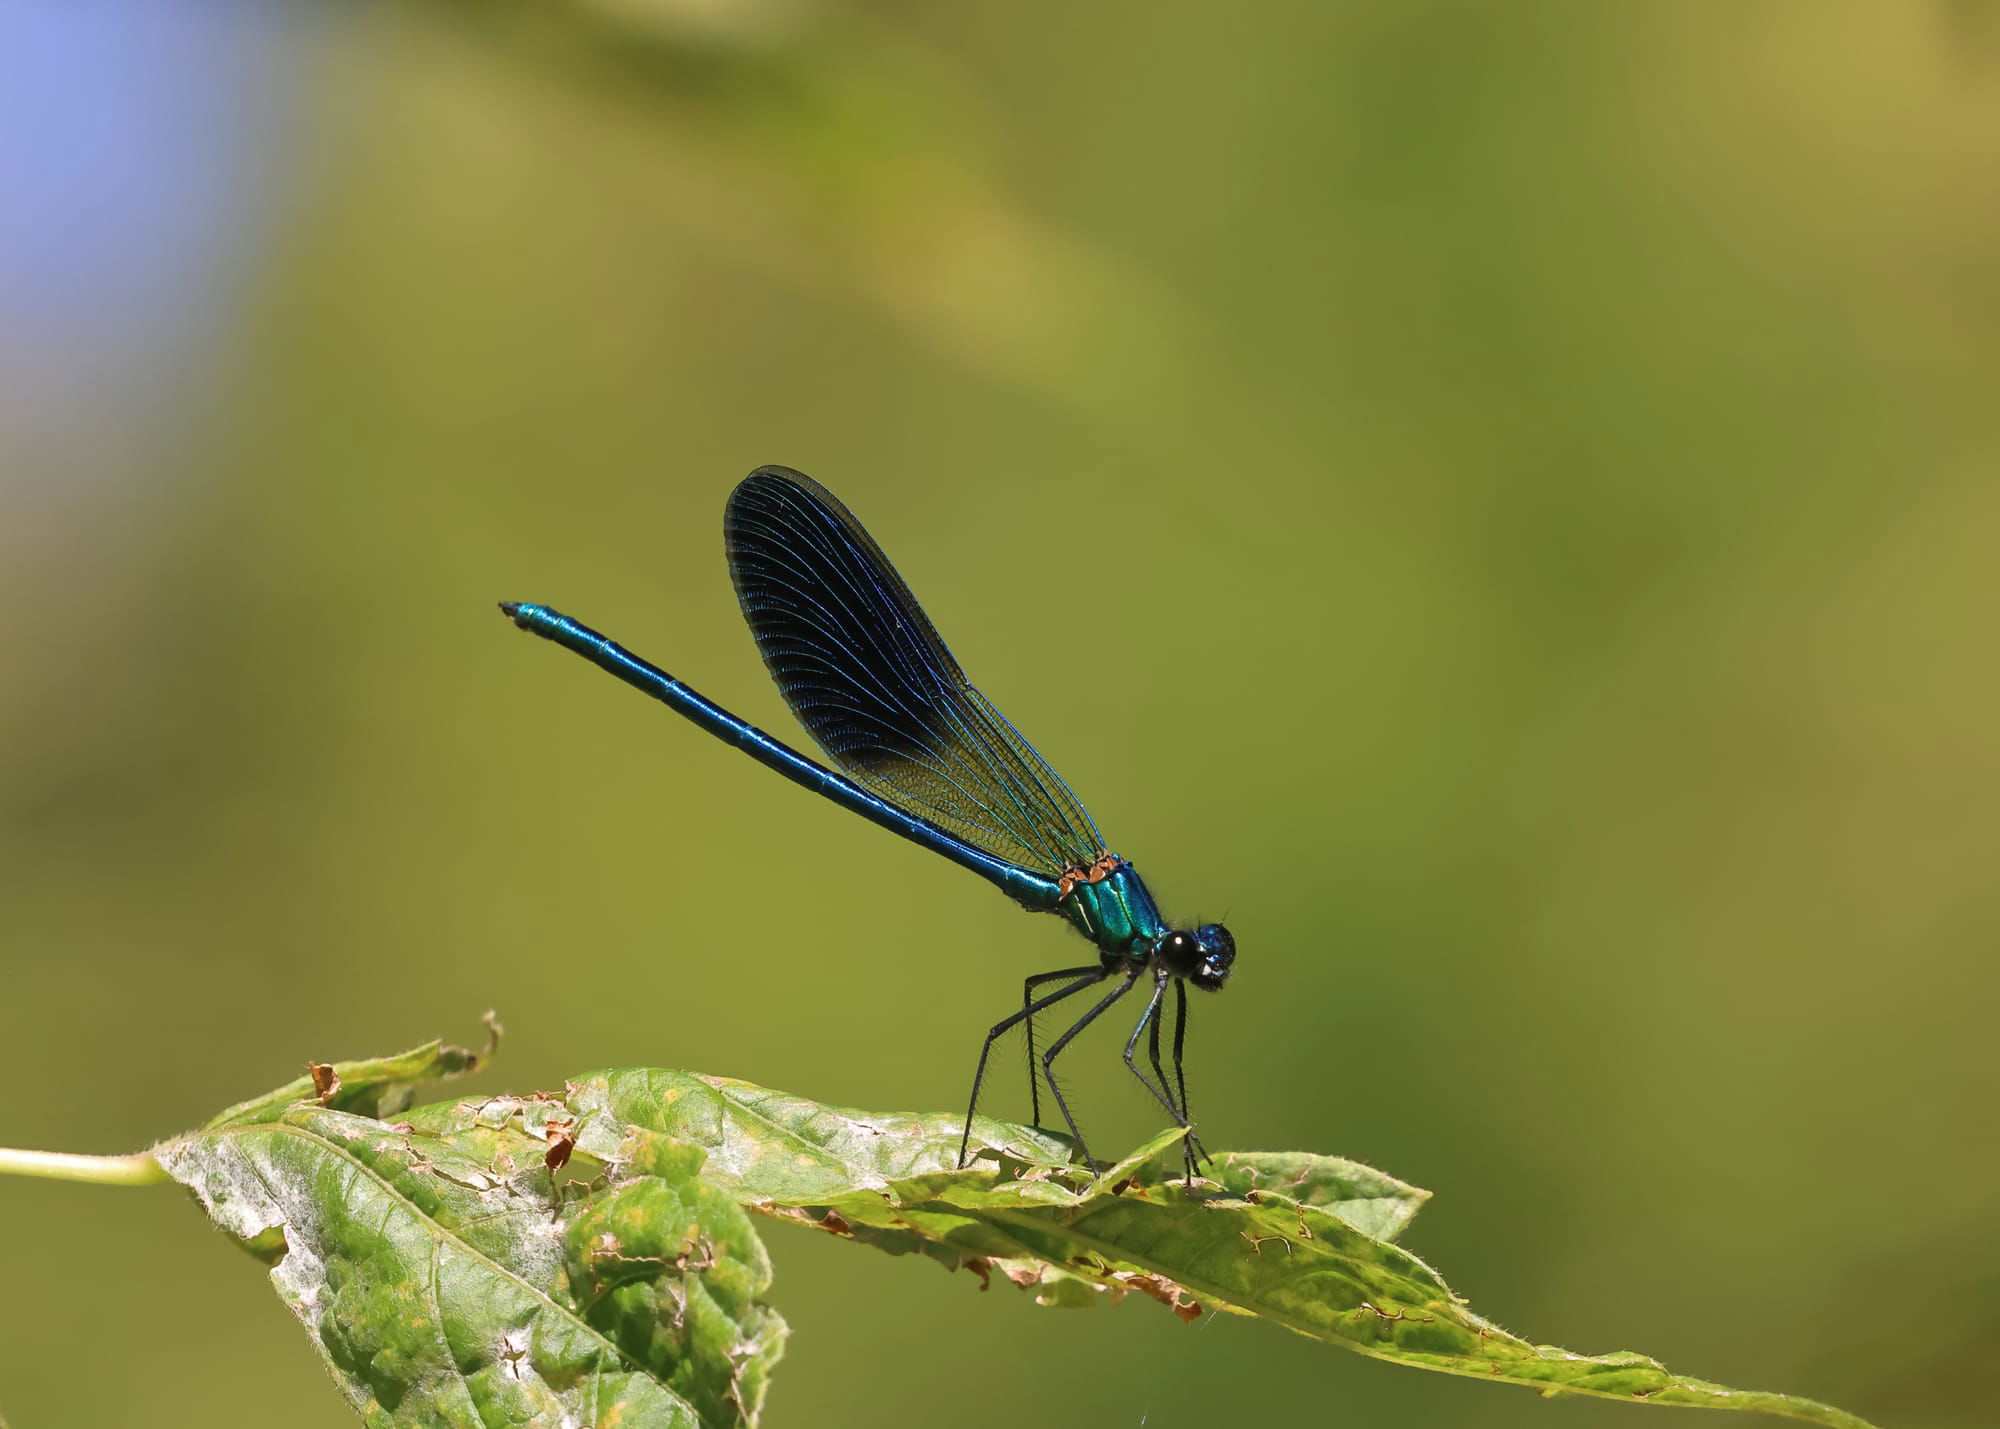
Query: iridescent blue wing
{"points": [[863, 668]]}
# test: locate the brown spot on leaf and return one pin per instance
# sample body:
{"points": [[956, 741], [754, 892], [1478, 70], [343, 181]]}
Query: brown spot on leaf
{"points": [[1365, 1308], [513, 1349], [1169, 1294], [1257, 1241], [835, 1222], [980, 1266], [562, 1141], [697, 1252], [325, 1081]]}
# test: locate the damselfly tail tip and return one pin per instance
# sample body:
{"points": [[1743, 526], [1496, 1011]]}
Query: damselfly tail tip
{"points": [[508, 607]]}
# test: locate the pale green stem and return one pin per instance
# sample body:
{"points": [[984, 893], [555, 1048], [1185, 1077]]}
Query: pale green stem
{"points": [[138, 1169]]}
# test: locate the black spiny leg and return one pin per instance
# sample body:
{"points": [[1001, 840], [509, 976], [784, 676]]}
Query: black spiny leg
{"points": [[1085, 977], [1180, 1073], [1193, 1142], [1160, 1072], [1027, 996], [1148, 1021], [1049, 1057]]}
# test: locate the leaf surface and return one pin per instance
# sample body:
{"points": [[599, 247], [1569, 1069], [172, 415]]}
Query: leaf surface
{"points": [[584, 1257], [449, 1275], [1302, 1240]]}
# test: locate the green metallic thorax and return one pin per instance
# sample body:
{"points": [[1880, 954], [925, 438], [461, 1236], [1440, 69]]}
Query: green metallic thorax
{"points": [[1117, 913]]}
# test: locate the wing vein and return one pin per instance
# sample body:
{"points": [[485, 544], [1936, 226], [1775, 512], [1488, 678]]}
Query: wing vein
{"points": [[864, 670]]}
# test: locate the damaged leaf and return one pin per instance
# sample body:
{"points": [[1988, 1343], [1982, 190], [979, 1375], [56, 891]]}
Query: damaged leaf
{"points": [[375, 1087], [447, 1278], [1304, 1241], [325, 1082], [585, 1257]]}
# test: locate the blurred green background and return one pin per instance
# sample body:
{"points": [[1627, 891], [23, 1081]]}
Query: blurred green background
{"points": [[1497, 501]]}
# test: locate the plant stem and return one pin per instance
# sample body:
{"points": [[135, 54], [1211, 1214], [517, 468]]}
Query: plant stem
{"points": [[138, 1169]]}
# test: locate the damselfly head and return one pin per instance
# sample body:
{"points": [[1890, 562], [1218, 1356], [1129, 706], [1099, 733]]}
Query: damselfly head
{"points": [[1218, 951], [1202, 956]]}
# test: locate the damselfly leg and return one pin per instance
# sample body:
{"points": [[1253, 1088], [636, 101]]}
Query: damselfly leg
{"points": [[1055, 1051], [1085, 977], [1034, 1077], [1149, 1023]]}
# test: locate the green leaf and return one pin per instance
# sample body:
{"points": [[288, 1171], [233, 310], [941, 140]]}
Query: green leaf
{"points": [[454, 1270], [377, 1086], [1300, 1240], [449, 1276]]}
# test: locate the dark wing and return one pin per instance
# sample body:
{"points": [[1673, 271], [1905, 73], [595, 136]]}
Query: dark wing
{"points": [[865, 672]]}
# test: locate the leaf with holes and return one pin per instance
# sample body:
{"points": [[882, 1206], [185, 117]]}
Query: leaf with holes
{"points": [[584, 1257], [1304, 1241], [452, 1271]]}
